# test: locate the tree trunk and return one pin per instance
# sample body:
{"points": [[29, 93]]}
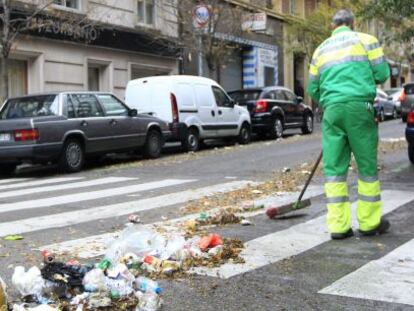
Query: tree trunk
{"points": [[4, 79]]}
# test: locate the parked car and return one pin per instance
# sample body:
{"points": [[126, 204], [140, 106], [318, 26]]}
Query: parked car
{"points": [[274, 109], [409, 134], [407, 100], [395, 93], [384, 106], [195, 108], [68, 127]]}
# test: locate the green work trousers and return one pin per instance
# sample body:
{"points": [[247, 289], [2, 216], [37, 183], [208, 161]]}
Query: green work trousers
{"points": [[351, 128]]}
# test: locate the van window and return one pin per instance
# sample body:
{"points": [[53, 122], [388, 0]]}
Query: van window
{"points": [[222, 99], [185, 95], [204, 95]]}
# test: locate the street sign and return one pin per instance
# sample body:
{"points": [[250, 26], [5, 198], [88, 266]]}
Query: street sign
{"points": [[254, 22], [201, 16]]}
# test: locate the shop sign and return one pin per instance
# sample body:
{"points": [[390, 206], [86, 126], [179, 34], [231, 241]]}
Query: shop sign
{"points": [[65, 28], [254, 22]]}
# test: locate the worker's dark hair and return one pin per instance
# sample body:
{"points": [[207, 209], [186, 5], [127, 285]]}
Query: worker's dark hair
{"points": [[343, 18]]}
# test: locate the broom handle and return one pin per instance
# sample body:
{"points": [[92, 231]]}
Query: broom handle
{"points": [[310, 177]]}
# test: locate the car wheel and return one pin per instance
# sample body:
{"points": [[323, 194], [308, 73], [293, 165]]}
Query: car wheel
{"points": [[192, 141], [404, 118], [411, 153], [245, 134], [72, 158], [153, 145], [382, 116], [308, 124], [277, 128], [394, 114], [7, 169]]}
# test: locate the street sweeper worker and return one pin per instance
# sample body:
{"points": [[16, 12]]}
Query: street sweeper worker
{"points": [[343, 75]]}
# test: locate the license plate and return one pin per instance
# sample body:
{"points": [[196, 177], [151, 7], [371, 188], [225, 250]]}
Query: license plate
{"points": [[5, 137]]}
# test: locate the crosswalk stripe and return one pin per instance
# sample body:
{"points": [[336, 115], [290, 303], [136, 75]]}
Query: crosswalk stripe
{"points": [[73, 185], [39, 182], [389, 279], [113, 210], [283, 244], [12, 180], [90, 195], [94, 246]]}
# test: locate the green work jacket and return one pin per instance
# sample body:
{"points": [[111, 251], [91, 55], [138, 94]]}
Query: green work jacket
{"points": [[347, 67]]}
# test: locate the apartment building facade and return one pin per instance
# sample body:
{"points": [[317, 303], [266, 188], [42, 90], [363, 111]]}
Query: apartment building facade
{"points": [[114, 42]]}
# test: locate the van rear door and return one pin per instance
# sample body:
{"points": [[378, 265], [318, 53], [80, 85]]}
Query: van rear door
{"points": [[207, 109]]}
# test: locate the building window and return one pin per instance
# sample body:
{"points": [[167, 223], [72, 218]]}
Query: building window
{"points": [[293, 7], [73, 4], [146, 12]]}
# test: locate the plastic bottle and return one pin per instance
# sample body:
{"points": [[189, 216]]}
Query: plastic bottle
{"points": [[148, 286]]}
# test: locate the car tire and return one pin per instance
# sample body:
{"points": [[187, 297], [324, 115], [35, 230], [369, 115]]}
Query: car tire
{"points": [[307, 127], [411, 153], [276, 130], [192, 141], [404, 118], [395, 114], [245, 134], [7, 169], [153, 145], [72, 157]]}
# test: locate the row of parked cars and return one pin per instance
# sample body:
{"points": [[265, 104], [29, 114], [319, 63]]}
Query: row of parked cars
{"points": [[68, 128]]}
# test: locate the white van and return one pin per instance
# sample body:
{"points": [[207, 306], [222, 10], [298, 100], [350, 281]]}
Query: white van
{"points": [[196, 108]]}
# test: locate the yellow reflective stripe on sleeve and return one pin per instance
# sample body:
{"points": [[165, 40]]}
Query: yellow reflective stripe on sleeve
{"points": [[367, 39], [313, 70], [374, 54]]}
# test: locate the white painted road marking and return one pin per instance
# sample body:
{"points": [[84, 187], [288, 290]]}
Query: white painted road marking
{"points": [[297, 239], [91, 195], [39, 182], [96, 245], [13, 180], [114, 210], [73, 185], [390, 278]]}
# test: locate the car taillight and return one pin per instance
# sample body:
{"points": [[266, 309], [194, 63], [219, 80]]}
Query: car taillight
{"points": [[174, 108], [410, 118], [403, 95], [26, 135], [261, 106]]}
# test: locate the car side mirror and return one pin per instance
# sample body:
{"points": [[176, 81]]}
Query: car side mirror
{"points": [[133, 112], [300, 99], [231, 103]]}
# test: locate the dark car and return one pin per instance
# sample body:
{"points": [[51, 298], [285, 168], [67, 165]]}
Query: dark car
{"points": [[407, 100], [68, 127], [409, 134], [274, 109], [384, 106]]}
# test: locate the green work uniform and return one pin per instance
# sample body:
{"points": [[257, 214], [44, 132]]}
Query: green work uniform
{"points": [[344, 72]]}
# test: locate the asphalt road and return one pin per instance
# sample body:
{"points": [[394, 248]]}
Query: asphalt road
{"points": [[300, 269]]}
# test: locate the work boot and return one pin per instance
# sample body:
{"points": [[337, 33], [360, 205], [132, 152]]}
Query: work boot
{"points": [[382, 228], [341, 236]]}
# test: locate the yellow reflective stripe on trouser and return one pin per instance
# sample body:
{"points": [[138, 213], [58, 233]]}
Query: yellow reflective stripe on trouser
{"points": [[339, 207], [369, 203]]}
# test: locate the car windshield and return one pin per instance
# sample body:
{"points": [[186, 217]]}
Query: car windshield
{"points": [[241, 96], [28, 107]]}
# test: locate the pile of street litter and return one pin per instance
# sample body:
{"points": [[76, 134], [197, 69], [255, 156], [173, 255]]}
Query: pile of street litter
{"points": [[125, 278]]}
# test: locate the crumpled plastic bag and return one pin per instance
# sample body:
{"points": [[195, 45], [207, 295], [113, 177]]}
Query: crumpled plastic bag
{"points": [[94, 281], [28, 283]]}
